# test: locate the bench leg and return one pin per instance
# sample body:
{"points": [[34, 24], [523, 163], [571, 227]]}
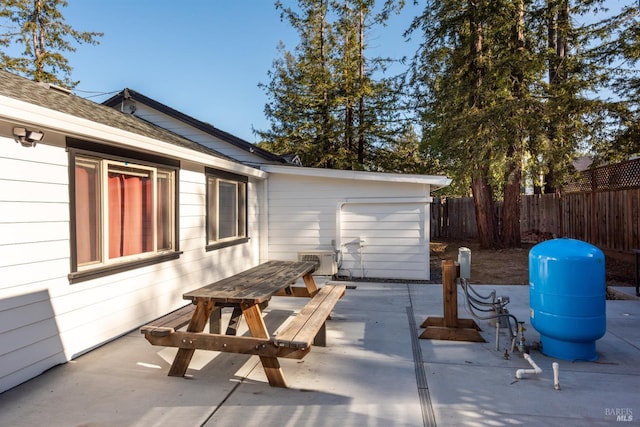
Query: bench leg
{"points": [[321, 338], [197, 324], [310, 283], [215, 321], [257, 328], [232, 328]]}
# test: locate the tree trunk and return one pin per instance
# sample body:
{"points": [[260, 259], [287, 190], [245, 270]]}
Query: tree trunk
{"points": [[558, 24], [476, 69], [361, 114], [511, 205], [483, 201], [326, 140], [482, 194], [510, 236]]}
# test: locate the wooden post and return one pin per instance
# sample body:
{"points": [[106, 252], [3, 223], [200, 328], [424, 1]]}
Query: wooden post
{"points": [[449, 293], [450, 327]]}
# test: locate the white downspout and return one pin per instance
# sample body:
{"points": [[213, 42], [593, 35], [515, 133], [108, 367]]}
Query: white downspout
{"points": [[536, 369]]}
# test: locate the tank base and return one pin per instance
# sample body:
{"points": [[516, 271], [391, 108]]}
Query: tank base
{"points": [[571, 351]]}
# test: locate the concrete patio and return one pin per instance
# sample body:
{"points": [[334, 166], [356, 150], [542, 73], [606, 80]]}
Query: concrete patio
{"points": [[374, 372]]}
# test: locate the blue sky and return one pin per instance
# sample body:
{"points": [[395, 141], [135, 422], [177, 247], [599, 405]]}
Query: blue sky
{"points": [[204, 58]]}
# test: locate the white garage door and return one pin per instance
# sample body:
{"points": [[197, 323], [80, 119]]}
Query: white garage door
{"points": [[385, 240]]}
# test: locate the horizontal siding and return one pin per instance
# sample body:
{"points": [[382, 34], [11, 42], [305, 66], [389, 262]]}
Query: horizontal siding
{"points": [[29, 337], [32, 361], [15, 167], [32, 232], [32, 276], [30, 330], [33, 212], [303, 216], [280, 221], [180, 128], [52, 321], [34, 227], [26, 191], [394, 240]]}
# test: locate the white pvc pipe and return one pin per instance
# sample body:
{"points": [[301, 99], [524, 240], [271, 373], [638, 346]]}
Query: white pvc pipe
{"points": [[556, 375], [536, 369]]}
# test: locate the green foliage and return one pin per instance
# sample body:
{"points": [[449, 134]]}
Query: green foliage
{"points": [[468, 108], [619, 54], [504, 81], [325, 104], [530, 97], [39, 28]]}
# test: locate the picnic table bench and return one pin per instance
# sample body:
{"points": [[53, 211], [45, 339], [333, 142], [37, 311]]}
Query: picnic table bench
{"points": [[247, 292]]}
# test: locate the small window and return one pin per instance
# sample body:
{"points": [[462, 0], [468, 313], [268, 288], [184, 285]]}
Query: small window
{"points": [[124, 212], [226, 209]]}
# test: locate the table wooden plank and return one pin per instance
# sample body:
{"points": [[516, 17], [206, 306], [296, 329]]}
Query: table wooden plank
{"points": [[226, 343], [280, 275], [255, 285], [301, 330]]}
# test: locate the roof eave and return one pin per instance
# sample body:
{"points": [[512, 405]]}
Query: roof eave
{"points": [[18, 111], [435, 181]]}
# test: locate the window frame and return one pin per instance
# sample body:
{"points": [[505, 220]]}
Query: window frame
{"points": [[240, 181], [106, 155]]}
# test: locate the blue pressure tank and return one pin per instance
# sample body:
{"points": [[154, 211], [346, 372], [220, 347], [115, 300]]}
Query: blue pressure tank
{"points": [[567, 292]]}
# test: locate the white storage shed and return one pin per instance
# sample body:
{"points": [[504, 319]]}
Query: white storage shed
{"points": [[377, 224]]}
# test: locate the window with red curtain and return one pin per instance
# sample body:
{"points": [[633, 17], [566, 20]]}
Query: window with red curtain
{"points": [[130, 211], [122, 211]]}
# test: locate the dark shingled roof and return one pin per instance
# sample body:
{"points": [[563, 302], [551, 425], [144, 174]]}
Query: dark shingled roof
{"points": [[54, 98]]}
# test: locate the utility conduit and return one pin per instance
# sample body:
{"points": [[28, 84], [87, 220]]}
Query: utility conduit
{"points": [[556, 375], [536, 369]]}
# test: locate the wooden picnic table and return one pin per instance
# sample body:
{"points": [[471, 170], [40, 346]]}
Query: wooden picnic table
{"points": [[247, 292]]}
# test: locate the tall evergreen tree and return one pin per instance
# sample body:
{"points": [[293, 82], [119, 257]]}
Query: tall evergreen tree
{"points": [[462, 89], [325, 103], [302, 90], [573, 116], [487, 104], [40, 28], [619, 53]]}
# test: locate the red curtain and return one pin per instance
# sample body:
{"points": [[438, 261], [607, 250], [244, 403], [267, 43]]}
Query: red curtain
{"points": [[130, 215]]}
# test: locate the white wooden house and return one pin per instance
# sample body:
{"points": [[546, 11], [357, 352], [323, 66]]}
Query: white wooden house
{"points": [[376, 223], [111, 217]]}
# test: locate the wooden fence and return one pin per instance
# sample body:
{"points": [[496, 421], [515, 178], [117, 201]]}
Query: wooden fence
{"points": [[603, 209], [609, 219]]}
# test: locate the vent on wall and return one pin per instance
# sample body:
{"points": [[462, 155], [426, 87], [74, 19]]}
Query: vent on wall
{"points": [[326, 262]]}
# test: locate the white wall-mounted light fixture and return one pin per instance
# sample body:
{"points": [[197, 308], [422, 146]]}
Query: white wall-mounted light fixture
{"points": [[26, 137]]}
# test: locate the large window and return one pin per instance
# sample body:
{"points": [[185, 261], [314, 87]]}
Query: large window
{"points": [[226, 209], [123, 213]]}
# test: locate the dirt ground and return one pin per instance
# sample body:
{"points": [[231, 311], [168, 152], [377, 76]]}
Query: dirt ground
{"points": [[511, 266]]}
